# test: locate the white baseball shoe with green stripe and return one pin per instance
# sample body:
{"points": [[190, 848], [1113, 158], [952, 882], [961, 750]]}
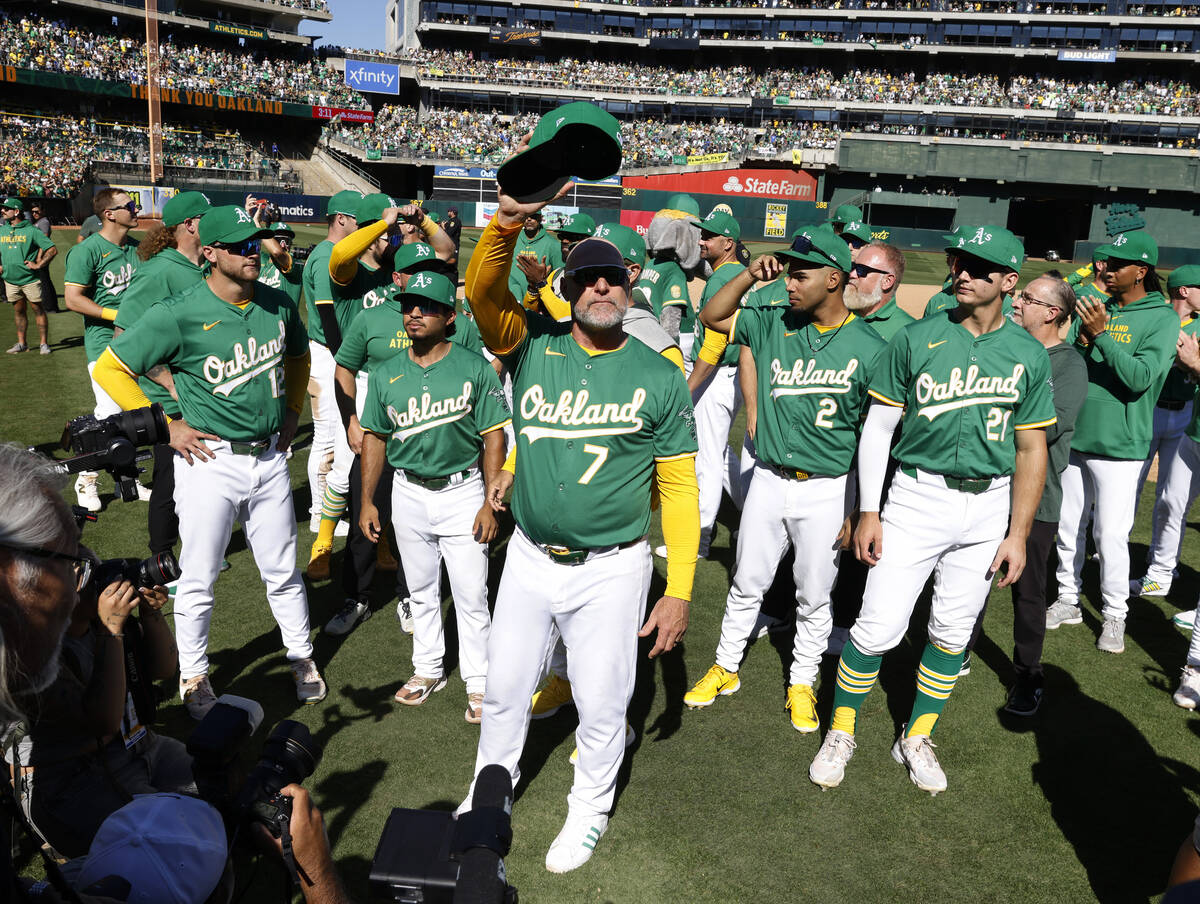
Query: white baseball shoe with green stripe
{"points": [[575, 843]]}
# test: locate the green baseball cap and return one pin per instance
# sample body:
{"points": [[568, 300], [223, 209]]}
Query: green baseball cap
{"points": [[371, 208], [184, 206], [683, 203], [576, 139], [577, 224], [13, 204], [719, 222], [282, 229], [1135, 246], [857, 229], [229, 224], [408, 257], [431, 287], [951, 240], [631, 245], [1188, 275], [344, 202], [818, 245], [847, 213], [994, 244]]}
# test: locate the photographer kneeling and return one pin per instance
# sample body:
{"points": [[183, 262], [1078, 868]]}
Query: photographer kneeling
{"points": [[86, 750]]}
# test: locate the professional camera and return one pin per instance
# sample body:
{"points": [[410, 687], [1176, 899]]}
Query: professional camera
{"points": [[289, 756], [114, 444], [160, 568], [270, 212]]}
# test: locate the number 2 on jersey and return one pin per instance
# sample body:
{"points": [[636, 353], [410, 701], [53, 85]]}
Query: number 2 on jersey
{"points": [[997, 418], [828, 410], [601, 453]]}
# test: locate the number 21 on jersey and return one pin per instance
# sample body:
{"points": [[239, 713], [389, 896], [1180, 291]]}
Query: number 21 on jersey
{"points": [[997, 423]]}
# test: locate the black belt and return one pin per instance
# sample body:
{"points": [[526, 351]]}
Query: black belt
{"points": [[1172, 405], [569, 555], [972, 485], [793, 474], [436, 483], [254, 449]]}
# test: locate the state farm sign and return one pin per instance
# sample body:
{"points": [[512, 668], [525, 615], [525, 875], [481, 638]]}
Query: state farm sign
{"points": [[792, 185]]}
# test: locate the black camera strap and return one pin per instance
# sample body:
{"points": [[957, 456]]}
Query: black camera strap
{"points": [[289, 858]]}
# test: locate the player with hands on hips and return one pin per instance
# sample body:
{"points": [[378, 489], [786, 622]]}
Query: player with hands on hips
{"points": [[596, 415], [239, 354], [813, 359], [1128, 343], [974, 389], [431, 410]]}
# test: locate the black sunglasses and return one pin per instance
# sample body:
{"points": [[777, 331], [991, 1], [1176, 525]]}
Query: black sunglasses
{"points": [[132, 207], [427, 305], [247, 248], [864, 270], [589, 276], [81, 564]]}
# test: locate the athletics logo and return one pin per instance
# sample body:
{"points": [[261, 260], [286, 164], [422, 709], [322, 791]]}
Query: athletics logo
{"points": [[573, 410], [980, 237]]}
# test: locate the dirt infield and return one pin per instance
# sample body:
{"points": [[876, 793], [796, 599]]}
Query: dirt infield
{"points": [[913, 298]]}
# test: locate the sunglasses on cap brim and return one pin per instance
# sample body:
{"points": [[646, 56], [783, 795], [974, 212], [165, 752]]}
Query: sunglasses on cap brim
{"points": [[589, 276]]}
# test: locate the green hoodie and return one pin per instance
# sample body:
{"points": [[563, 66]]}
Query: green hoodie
{"points": [[1127, 367], [543, 245]]}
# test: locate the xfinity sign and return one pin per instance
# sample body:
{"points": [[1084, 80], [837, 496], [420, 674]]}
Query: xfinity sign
{"points": [[377, 78]]}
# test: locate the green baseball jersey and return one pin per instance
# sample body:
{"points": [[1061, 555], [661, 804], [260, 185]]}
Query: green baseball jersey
{"points": [[542, 245], [378, 335], [812, 386], [1178, 387], [290, 280], [1127, 366], [889, 320], [723, 274], [433, 417], [19, 247], [104, 271], [589, 429], [964, 396], [167, 273], [317, 286], [1091, 293], [667, 285], [227, 361]]}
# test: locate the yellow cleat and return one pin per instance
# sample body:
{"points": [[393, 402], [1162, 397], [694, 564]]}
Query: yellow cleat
{"points": [[551, 698], [318, 562], [802, 703], [716, 683], [384, 560]]}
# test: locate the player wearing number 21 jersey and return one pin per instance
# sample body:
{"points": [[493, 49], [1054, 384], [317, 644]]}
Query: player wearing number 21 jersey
{"points": [[813, 361], [975, 392]]}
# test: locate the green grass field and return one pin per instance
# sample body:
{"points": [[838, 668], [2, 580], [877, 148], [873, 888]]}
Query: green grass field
{"points": [[1087, 801]]}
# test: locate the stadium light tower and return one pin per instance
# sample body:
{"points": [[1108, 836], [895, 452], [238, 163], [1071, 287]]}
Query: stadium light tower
{"points": [[152, 89]]}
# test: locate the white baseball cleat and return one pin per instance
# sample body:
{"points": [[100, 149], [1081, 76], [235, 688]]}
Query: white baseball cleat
{"points": [[310, 686], [829, 765], [1185, 620], [576, 842], [1188, 694], [88, 493], [1148, 587], [197, 695], [923, 768], [143, 492]]}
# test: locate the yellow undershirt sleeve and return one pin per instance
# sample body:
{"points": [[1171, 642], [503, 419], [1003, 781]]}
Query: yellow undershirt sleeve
{"points": [[510, 463], [714, 347], [119, 382], [675, 356], [295, 380], [500, 318], [343, 260], [680, 522], [109, 314]]}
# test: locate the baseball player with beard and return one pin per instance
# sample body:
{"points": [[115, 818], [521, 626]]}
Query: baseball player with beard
{"points": [[1129, 345], [239, 356], [974, 391], [813, 358], [596, 416]]}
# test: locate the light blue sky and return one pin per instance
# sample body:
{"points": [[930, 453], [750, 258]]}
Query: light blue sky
{"points": [[356, 23]]}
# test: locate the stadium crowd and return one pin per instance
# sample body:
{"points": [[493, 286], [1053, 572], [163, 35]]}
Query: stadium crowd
{"points": [[53, 45]]}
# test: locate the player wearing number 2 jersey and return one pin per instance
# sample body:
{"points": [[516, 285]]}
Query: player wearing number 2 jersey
{"points": [[238, 351], [596, 415], [813, 361], [974, 390]]}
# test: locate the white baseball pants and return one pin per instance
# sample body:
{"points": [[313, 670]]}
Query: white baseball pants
{"points": [[717, 403], [327, 424], [431, 526], [808, 514], [1178, 487], [1169, 427], [105, 406], [1110, 484], [686, 342], [209, 497], [597, 607], [739, 469], [338, 478], [928, 527]]}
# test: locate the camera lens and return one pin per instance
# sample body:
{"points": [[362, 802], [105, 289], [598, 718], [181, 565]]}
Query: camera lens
{"points": [[292, 751], [162, 568]]}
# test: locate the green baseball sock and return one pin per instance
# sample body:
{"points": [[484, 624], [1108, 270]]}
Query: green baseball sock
{"points": [[855, 677], [936, 676]]}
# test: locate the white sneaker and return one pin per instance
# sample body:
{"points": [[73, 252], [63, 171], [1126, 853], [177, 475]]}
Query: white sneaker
{"points": [[576, 842], [1112, 636], [404, 614], [1148, 587], [1185, 620], [829, 765], [923, 768], [837, 641], [197, 695], [310, 686], [1063, 612], [88, 492], [351, 614], [1188, 694], [143, 492]]}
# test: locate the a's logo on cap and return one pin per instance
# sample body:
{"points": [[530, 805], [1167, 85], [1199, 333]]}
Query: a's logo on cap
{"points": [[423, 251], [242, 216], [602, 232], [854, 225], [980, 237], [421, 281], [1120, 240]]}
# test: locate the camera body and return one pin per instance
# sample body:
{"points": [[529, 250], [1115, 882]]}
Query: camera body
{"points": [[159, 569], [114, 444]]}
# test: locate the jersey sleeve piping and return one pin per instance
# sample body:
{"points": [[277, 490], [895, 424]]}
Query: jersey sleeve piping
{"points": [[495, 427], [882, 398], [1038, 425], [679, 457]]}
